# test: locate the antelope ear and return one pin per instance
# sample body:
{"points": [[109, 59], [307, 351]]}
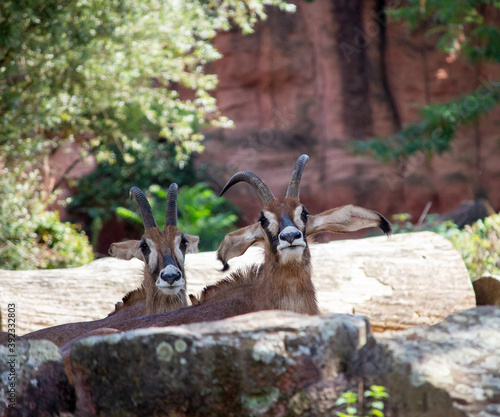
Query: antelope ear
{"points": [[126, 250], [193, 243], [347, 219], [236, 243]]}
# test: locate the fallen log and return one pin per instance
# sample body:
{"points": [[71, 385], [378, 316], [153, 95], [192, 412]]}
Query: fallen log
{"points": [[397, 282]]}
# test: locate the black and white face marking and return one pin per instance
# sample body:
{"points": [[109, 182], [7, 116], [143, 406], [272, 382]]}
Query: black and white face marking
{"points": [[170, 279], [286, 235]]}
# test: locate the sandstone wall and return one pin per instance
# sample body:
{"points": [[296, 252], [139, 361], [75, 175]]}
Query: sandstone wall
{"points": [[309, 82]]}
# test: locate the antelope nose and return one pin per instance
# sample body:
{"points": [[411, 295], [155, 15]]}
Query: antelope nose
{"points": [[290, 236], [170, 277]]}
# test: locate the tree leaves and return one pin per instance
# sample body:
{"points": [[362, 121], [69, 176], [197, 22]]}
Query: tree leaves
{"points": [[99, 72], [435, 132], [461, 29]]}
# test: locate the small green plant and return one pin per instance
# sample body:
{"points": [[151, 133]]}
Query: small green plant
{"points": [[349, 399], [375, 396], [201, 213], [30, 236], [372, 406], [479, 246], [402, 223]]}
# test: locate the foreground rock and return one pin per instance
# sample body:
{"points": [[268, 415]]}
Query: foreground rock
{"points": [[450, 369], [266, 364], [247, 365], [404, 280], [33, 381]]}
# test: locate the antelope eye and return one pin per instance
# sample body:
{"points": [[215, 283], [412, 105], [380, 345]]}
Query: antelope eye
{"points": [[263, 220], [184, 242], [304, 215], [144, 247]]}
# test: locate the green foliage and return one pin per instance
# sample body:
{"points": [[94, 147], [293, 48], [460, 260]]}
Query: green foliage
{"points": [[459, 28], [30, 236], [479, 244], [111, 72], [349, 399], [124, 81], [145, 163], [402, 224], [201, 213], [374, 406], [204, 214], [435, 132], [376, 395]]}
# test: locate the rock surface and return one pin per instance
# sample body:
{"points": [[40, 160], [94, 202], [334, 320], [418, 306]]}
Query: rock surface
{"points": [[487, 290], [450, 369], [33, 381], [340, 74], [266, 364], [247, 365], [396, 282]]}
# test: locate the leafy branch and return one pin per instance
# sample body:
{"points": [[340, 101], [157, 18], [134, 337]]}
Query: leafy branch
{"points": [[435, 132]]}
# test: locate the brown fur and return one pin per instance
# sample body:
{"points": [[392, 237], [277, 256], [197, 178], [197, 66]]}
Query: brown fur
{"points": [[274, 285], [131, 298], [271, 285], [142, 301], [157, 302], [240, 280], [290, 288]]}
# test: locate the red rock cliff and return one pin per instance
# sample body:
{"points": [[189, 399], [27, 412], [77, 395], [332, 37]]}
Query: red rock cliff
{"points": [[335, 70]]}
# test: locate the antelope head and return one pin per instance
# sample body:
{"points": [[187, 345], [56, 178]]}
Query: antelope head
{"points": [[284, 227], [163, 252]]}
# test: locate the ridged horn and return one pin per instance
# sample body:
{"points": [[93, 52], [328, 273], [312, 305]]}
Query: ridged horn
{"points": [[262, 189], [146, 212], [294, 185], [171, 212]]}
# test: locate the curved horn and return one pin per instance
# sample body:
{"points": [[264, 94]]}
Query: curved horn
{"points": [[146, 212], [294, 185], [262, 189], [171, 212]]}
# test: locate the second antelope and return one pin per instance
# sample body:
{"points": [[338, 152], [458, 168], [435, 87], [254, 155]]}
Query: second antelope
{"points": [[163, 287]]}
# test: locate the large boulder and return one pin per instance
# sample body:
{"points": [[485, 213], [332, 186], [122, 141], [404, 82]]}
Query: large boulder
{"points": [[266, 364], [450, 369], [33, 381], [246, 365], [404, 280], [397, 282]]}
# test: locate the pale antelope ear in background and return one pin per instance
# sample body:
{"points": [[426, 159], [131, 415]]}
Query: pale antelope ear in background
{"points": [[126, 250], [236, 243], [347, 219], [193, 243]]}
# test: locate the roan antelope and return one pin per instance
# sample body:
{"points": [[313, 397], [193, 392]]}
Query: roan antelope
{"points": [[164, 283], [283, 281]]}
